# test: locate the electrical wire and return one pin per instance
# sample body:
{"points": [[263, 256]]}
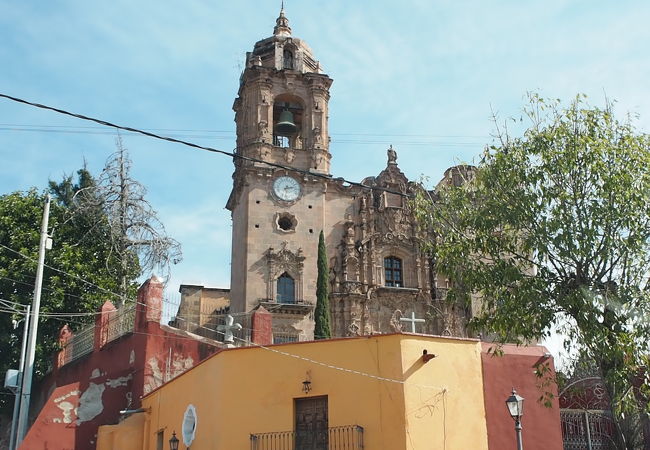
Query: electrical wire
{"points": [[64, 293], [62, 272], [310, 360], [232, 134], [253, 344], [202, 147], [287, 354]]}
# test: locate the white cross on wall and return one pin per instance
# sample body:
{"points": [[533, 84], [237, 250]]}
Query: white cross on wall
{"points": [[413, 321], [230, 325]]}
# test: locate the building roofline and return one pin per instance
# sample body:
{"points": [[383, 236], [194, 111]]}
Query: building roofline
{"points": [[202, 286], [288, 344]]}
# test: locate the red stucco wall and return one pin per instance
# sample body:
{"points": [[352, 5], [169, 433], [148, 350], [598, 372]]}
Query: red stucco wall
{"points": [[82, 395], [541, 428]]}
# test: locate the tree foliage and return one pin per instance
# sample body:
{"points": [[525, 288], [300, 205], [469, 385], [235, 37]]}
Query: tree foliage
{"points": [[553, 228], [322, 328], [78, 249]]}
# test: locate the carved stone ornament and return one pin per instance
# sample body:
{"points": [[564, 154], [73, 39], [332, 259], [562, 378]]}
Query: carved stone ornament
{"points": [[353, 329], [392, 155], [352, 287], [289, 155], [284, 260], [317, 159], [317, 136], [395, 323], [262, 130]]}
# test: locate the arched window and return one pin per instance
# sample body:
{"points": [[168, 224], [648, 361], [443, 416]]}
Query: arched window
{"points": [[393, 272], [288, 60], [286, 289]]}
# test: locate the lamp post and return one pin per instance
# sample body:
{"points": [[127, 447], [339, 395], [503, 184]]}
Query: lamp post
{"points": [[515, 404], [173, 442]]}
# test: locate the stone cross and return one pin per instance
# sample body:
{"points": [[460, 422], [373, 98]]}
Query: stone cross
{"points": [[227, 329], [413, 321]]}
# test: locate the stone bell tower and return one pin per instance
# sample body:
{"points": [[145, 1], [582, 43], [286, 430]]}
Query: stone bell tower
{"points": [[281, 114], [281, 110]]}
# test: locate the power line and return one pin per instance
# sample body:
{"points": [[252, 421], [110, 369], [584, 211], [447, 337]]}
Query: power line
{"points": [[64, 293], [276, 351], [273, 350], [61, 271], [200, 147], [231, 137], [230, 132]]}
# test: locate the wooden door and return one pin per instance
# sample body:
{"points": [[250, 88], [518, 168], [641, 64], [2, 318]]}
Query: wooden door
{"points": [[311, 423]]}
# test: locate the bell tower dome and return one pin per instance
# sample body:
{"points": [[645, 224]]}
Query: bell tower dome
{"points": [[282, 105]]}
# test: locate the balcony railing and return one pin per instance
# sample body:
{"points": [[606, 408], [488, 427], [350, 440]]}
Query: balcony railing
{"points": [[81, 344], [349, 437], [121, 322]]}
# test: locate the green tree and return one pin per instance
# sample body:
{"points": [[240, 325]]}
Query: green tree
{"points": [[553, 229], [77, 249], [322, 315]]}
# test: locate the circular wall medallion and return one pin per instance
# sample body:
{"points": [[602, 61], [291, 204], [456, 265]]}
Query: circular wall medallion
{"points": [[189, 425]]}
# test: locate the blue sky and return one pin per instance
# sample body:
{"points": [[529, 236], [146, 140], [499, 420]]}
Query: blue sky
{"points": [[421, 75]]}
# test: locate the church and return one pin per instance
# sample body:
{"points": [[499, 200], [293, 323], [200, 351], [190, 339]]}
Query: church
{"points": [[283, 195]]}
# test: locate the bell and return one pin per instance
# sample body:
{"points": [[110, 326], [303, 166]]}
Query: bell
{"points": [[285, 125]]}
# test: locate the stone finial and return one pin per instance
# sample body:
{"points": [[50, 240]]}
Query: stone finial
{"points": [[282, 24], [392, 155]]}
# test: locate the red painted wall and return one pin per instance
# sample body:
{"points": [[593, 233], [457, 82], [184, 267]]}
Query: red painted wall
{"points": [[82, 395], [541, 429]]}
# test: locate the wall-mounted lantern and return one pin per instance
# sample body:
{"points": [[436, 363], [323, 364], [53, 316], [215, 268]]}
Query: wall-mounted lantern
{"points": [[173, 442]]}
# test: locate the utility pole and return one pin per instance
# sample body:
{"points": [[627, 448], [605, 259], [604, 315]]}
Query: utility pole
{"points": [[26, 388], [21, 369]]}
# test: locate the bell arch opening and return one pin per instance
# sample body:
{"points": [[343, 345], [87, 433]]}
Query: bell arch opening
{"points": [[288, 116]]}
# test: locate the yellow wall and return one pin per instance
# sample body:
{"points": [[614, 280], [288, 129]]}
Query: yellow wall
{"points": [[251, 390], [128, 435], [444, 397]]}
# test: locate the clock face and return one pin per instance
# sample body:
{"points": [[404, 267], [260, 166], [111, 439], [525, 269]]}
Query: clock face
{"points": [[286, 188]]}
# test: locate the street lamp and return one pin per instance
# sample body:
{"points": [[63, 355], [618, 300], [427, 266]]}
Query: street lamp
{"points": [[515, 404], [173, 442]]}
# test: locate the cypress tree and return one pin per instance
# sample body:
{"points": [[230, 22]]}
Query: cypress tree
{"points": [[322, 329]]}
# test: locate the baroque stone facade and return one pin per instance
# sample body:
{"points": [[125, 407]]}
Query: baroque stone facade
{"points": [[283, 195]]}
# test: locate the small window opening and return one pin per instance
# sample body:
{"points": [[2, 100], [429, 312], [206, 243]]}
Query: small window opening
{"points": [[286, 289], [286, 222], [393, 272]]}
